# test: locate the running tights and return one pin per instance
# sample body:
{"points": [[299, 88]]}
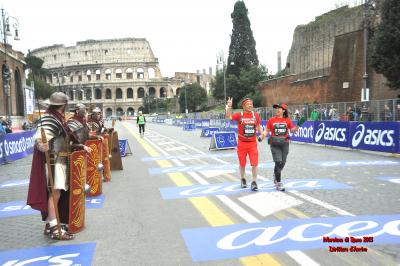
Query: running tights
{"points": [[278, 169]]}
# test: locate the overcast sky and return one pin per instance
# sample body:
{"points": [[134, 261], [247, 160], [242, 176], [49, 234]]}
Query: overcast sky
{"points": [[185, 35]]}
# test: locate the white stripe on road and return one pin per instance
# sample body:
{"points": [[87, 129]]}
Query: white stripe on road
{"points": [[165, 143], [267, 203], [179, 148]]}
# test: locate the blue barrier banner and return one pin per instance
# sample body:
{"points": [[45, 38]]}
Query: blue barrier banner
{"points": [[375, 136], [333, 133], [241, 240], [223, 140], [122, 146], [189, 127], [305, 133], [205, 123], [16, 145], [198, 123], [209, 131], [79, 254]]}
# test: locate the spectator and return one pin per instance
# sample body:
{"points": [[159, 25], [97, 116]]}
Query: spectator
{"points": [[2, 130], [350, 114], [314, 115], [332, 114], [296, 114], [324, 114], [387, 114], [398, 112]]}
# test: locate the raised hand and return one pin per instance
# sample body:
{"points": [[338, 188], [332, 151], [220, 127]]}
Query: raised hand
{"points": [[229, 102]]}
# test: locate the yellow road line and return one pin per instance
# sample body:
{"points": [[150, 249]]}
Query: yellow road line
{"points": [[211, 212]]}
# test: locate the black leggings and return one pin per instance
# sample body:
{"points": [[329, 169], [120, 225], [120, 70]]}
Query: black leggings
{"points": [[278, 169], [141, 127]]}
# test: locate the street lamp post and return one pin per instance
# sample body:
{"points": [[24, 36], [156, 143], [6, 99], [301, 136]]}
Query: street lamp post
{"points": [[186, 109], [6, 20]]}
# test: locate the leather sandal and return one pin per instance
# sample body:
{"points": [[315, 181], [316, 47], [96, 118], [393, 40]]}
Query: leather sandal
{"points": [[54, 234]]}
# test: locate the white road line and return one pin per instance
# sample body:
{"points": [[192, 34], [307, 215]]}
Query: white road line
{"points": [[179, 148], [321, 203], [166, 143], [297, 255]]}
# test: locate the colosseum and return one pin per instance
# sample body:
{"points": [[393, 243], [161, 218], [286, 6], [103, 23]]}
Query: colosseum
{"points": [[117, 75]]}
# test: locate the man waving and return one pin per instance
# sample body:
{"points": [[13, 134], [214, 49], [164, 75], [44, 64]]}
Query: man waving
{"points": [[248, 122]]}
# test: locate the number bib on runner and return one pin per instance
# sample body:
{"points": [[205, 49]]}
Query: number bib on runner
{"points": [[249, 130]]}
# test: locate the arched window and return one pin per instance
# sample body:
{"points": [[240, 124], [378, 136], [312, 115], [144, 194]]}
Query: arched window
{"points": [[118, 73], [130, 111], [120, 111], [140, 73], [129, 93], [118, 94], [108, 112], [163, 92], [89, 75], [152, 92], [19, 93], [108, 74], [88, 94], [97, 94], [129, 73], [79, 95], [98, 74], [152, 73], [178, 90], [71, 95], [108, 93], [140, 92], [79, 74]]}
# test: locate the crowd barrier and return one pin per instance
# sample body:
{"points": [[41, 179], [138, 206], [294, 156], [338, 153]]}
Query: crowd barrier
{"points": [[15, 146], [372, 136]]}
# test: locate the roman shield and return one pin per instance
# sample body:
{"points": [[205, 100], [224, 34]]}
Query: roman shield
{"points": [[106, 159], [77, 180], [93, 175]]}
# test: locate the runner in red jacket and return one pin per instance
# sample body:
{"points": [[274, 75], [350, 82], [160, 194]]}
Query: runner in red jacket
{"points": [[248, 122], [279, 126]]}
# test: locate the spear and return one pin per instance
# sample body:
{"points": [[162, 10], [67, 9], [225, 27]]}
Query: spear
{"points": [[46, 153]]}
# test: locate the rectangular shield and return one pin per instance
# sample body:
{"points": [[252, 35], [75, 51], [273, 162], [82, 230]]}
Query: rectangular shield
{"points": [[106, 158], [93, 175], [77, 196], [115, 161]]}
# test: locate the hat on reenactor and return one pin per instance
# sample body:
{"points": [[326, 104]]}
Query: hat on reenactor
{"points": [[80, 106], [57, 98], [96, 110]]}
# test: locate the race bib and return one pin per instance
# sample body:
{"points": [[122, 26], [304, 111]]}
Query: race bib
{"points": [[280, 129], [249, 130]]}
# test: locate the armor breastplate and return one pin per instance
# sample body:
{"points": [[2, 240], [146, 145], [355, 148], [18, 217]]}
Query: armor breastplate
{"points": [[81, 131]]}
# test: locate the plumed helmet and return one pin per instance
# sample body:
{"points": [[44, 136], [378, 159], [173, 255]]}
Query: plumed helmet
{"points": [[57, 98], [80, 106], [96, 110]]}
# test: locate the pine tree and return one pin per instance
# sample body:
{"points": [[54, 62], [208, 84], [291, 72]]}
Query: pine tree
{"points": [[242, 50], [385, 57]]}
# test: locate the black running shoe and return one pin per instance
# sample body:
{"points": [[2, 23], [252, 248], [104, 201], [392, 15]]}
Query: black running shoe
{"points": [[254, 186], [243, 183]]}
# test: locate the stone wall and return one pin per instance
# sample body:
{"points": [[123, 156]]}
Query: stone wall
{"points": [[312, 46]]}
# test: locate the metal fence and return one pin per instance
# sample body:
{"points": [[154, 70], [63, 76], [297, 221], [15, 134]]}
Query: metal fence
{"points": [[379, 110]]}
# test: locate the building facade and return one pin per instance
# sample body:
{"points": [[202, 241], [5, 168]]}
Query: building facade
{"points": [[12, 94], [118, 75]]}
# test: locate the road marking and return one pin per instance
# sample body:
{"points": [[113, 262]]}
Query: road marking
{"points": [[179, 148], [269, 203], [165, 143]]}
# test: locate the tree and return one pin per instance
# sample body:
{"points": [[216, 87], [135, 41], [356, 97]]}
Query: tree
{"points": [[196, 97], [246, 85], [37, 75], [242, 49], [385, 54]]}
